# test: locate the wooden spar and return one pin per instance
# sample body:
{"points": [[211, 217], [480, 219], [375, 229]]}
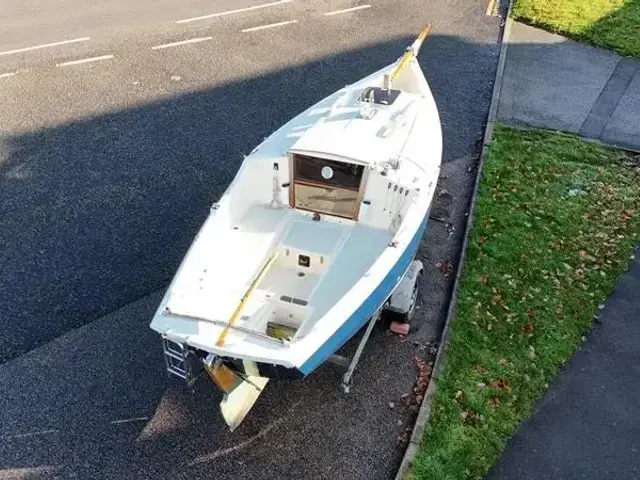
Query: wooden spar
{"points": [[411, 53], [245, 297]]}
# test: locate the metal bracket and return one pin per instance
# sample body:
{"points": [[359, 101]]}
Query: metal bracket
{"points": [[408, 277], [180, 362], [346, 378]]}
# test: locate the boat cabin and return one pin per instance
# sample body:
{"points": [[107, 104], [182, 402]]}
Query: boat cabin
{"points": [[326, 186]]}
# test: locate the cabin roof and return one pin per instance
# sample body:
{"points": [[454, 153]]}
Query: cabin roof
{"points": [[344, 134]]}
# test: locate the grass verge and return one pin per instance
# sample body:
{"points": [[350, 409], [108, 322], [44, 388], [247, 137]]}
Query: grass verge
{"points": [[556, 221], [613, 24]]}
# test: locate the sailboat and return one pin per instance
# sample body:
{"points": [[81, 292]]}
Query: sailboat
{"points": [[311, 240]]}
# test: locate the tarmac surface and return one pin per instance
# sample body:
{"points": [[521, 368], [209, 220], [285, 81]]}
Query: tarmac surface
{"points": [[111, 153]]}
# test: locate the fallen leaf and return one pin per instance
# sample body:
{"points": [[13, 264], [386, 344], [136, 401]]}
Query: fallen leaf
{"points": [[500, 384], [445, 267]]}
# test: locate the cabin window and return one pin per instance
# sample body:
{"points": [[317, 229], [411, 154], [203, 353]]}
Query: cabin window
{"points": [[326, 186]]}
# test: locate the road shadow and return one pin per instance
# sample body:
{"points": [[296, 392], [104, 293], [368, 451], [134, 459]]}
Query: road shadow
{"points": [[98, 213]]}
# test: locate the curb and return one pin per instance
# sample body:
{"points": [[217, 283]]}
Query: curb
{"points": [[438, 365], [526, 127]]}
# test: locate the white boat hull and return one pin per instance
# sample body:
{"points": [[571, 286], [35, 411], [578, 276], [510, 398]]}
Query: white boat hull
{"points": [[321, 264]]}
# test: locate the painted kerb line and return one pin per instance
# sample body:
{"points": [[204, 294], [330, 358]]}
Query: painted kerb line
{"points": [[85, 60], [493, 9], [347, 10], [45, 45], [232, 12], [271, 25]]}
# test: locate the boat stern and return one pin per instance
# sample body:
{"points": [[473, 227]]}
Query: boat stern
{"points": [[241, 381]]}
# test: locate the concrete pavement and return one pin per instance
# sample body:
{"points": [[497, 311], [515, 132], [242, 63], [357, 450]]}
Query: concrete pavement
{"points": [[108, 168], [553, 82]]}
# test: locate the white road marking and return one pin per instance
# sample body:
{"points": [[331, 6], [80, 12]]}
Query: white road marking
{"points": [[183, 42], [129, 420], [271, 25], [231, 12], [45, 45], [347, 10], [30, 434], [85, 60], [7, 75]]}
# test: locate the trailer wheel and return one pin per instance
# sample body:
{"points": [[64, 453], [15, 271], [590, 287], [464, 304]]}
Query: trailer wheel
{"points": [[409, 315]]}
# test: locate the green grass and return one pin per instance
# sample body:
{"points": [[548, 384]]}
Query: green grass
{"points": [[556, 221], [613, 24]]}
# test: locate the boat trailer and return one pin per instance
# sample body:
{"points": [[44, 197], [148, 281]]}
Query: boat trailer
{"points": [[400, 304]]}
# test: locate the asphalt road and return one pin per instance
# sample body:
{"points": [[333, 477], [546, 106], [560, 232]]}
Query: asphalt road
{"points": [[28, 23], [107, 169]]}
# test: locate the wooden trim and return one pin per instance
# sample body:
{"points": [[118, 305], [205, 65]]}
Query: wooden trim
{"points": [[324, 185], [292, 195], [363, 185], [359, 197]]}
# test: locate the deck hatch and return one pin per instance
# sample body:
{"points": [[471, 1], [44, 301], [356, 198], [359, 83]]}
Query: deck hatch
{"points": [[379, 96]]}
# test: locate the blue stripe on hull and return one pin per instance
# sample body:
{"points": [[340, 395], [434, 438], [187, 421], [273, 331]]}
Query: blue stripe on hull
{"points": [[362, 315]]}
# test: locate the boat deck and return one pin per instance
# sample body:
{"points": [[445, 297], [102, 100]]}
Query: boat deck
{"points": [[239, 252], [317, 263]]}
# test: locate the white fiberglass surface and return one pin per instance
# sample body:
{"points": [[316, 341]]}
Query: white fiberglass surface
{"points": [[363, 247], [245, 245], [226, 258]]}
